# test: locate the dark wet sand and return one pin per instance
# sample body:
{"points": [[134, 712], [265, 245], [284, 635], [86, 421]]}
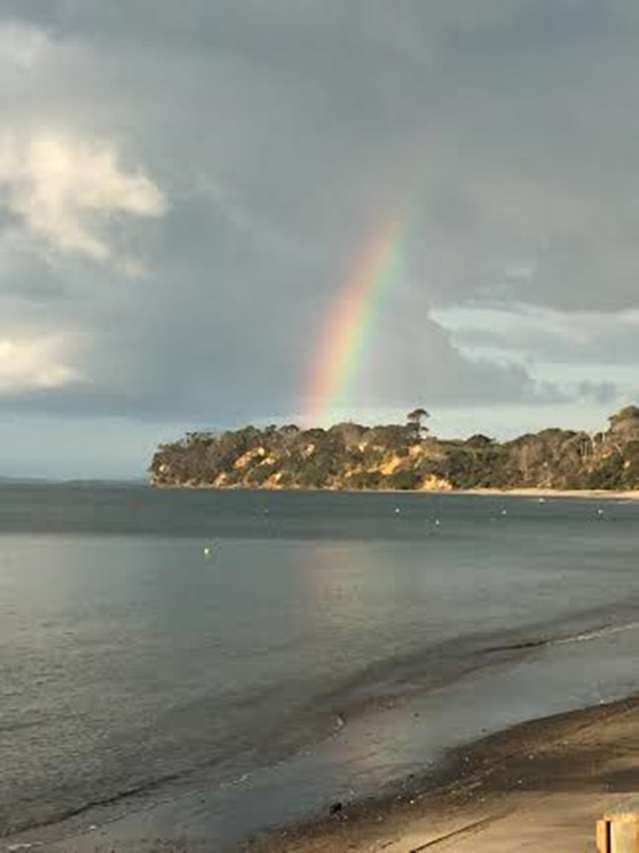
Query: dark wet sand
{"points": [[538, 786]]}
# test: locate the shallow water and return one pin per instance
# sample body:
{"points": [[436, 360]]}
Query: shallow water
{"points": [[326, 644]]}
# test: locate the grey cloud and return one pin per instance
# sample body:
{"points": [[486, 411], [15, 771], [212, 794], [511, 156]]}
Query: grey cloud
{"points": [[601, 392], [284, 134]]}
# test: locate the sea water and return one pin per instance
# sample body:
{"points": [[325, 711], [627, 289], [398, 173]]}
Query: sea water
{"points": [[219, 662]]}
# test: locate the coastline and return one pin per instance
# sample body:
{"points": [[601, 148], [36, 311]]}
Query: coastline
{"points": [[588, 494], [538, 785], [524, 492]]}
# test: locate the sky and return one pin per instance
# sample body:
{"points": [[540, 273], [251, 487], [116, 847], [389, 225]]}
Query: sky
{"points": [[185, 189]]}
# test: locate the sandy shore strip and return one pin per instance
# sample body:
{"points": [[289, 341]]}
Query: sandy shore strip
{"points": [[524, 492], [538, 786], [592, 494]]}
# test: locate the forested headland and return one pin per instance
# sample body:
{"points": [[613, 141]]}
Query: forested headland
{"points": [[401, 456]]}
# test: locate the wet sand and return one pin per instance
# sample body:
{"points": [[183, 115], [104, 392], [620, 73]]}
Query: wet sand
{"points": [[537, 786]]}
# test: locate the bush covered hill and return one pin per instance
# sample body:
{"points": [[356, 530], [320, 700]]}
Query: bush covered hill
{"points": [[398, 456]]}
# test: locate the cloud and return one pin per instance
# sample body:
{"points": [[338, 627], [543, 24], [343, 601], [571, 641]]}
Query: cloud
{"points": [[501, 133], [34, 364], [65, 189], [601, 392], [587, 356], [22, 45], [529, 332]]}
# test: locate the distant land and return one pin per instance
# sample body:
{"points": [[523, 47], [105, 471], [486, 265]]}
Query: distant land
{"points": [[349, 456], [10, 481], [89, 483]]}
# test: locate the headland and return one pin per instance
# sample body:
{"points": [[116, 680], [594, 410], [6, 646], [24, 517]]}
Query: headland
{"points": [[406, 457]]}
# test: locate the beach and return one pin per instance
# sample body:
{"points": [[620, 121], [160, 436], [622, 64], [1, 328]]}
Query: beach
{"points": [[538, 786], [523, 492], [573, 494]]}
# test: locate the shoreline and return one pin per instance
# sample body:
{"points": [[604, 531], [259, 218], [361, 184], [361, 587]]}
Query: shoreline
{"points": [[586, 494], [523, 492], [541, 784]]}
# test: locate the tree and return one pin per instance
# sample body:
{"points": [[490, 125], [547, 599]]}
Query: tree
{"points": [[289, 429], [625, 415], [415, 424]]}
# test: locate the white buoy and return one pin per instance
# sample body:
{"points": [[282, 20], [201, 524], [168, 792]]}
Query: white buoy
{"points": [[504, 512], [207, 552], [436, 522], [397, 510]]}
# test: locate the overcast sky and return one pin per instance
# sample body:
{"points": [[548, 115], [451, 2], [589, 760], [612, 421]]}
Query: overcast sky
{"points": [[184, 188]]}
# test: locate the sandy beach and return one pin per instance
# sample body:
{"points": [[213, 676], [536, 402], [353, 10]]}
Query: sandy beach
{"points": [[538, 786], [592, 494], [586, 494]]}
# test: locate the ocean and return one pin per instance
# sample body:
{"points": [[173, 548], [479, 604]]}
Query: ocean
{"points": [[203, 665]]}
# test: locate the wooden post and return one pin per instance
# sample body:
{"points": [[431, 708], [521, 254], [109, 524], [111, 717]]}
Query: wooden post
{"points": [[618, 833], [603, 836]]}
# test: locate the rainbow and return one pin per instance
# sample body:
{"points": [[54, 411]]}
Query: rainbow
{"points": [[352, 319]]}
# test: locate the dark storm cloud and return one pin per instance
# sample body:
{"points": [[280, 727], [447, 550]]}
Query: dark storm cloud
{"points": [[280, 136]]}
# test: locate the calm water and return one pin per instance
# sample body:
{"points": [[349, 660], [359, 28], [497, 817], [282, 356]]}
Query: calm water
{"points": [[328, 644]]}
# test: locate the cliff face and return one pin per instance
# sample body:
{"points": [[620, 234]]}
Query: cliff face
{"points": [[350, 456]]}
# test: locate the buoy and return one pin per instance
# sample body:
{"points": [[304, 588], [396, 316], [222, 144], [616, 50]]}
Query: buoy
{"points": [[397, 509]]}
